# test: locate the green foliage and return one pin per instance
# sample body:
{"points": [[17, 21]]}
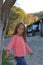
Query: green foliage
{"points": [[16, 15], [5, 61]]}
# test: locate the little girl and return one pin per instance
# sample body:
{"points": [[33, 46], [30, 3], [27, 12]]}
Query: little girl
{"points": [[19, 45]]}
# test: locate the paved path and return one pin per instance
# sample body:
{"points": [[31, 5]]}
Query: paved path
{"points": [[36, 44]]}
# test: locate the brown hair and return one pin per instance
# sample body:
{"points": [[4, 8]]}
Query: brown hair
{"points": [[24, 33]]}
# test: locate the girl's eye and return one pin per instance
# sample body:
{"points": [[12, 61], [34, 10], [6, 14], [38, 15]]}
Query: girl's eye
{"points": [[21, 28]]}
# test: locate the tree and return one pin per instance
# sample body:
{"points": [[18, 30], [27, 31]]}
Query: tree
{"points": [[30, 19], [0, 32], [4, 14], [16, 15]]}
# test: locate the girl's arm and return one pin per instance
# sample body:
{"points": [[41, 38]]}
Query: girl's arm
{"points": [[11, 43], [28, 49]]}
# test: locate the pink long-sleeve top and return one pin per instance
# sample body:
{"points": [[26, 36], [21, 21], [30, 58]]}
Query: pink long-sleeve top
{"points": [[19, 46]]}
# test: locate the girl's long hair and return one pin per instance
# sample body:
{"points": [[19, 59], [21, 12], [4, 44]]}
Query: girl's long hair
{"points": [[24, 33]]}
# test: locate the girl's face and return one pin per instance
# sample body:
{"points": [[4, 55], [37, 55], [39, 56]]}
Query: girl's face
{"points": [[20, 29]]}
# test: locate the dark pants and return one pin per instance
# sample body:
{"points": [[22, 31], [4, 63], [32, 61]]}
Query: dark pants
{"points": [[20, 61]]}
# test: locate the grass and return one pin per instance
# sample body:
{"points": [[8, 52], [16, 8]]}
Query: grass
{"points": [[5, 61]]}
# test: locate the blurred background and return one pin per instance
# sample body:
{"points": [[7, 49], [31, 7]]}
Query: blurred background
{"points": [[30, 12]]}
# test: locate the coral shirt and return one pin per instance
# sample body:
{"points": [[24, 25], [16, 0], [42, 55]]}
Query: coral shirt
{"points": [[19, 46]]}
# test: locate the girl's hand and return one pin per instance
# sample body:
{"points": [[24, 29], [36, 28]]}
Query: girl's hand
{"points": [[7, 54], [31, 53]]}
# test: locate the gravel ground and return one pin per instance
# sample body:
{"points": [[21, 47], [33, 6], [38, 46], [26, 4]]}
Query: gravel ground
{"points": [[36, 44]]}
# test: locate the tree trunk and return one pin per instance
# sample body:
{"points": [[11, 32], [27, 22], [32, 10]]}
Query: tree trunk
{"points": [[6, 10], [4, 14], [1, 27]]}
